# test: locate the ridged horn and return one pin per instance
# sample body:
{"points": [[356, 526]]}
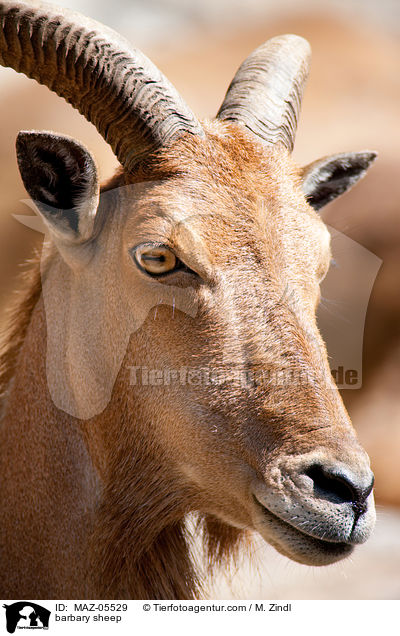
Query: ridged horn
{"points": [[265, 94], [117, 88]]}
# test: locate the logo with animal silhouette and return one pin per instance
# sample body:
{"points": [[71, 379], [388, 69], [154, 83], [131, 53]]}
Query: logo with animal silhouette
{"points": [[26, 615]]}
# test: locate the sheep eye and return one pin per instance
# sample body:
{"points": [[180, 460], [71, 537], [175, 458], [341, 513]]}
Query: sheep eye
{"points": [[155, 260]]}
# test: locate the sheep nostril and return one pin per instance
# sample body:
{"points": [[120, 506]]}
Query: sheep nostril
{"points": [[337, 487]]}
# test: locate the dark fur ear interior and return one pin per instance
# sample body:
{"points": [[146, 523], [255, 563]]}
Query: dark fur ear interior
{"points": [[327, 178], [60, 176]]}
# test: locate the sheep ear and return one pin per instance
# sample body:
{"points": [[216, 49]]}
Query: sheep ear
{"points": [[61, 177], [327, 178]]}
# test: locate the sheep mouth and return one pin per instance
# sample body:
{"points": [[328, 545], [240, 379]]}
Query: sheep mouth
{"points": [[296, 543]]}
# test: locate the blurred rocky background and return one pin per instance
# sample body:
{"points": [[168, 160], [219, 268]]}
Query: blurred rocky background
{"points": [[352, 102]]}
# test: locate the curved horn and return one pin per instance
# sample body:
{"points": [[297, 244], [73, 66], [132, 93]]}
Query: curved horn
{"points": [[116, 87], [265, 94]]}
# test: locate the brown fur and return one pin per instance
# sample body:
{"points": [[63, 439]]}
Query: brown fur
{"points": [[96, 508], [17, 320], [160, 567]]}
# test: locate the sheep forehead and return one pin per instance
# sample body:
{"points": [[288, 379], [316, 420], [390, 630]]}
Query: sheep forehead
{"points": [[232, 193], [264, 228]]}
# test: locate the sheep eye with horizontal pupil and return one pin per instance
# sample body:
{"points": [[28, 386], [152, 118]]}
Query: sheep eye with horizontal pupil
{"points": [[155, 260]]}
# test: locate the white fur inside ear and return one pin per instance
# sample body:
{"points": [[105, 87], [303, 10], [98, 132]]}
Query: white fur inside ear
{"points": [[48, 196], [86, 207]]}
